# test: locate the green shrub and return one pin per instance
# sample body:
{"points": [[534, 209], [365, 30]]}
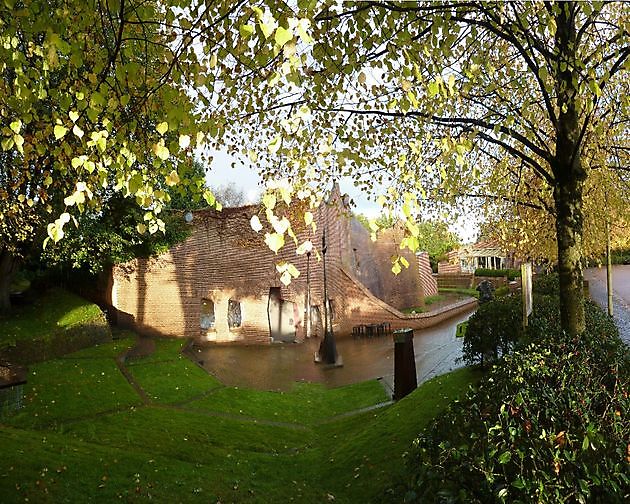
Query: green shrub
{"points": [[546, 284], [502, 291], [511, 274], [492, 330], [548, 424], [620, 256]]}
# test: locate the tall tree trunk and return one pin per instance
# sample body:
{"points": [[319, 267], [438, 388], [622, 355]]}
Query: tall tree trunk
{"points": [[569, 176], [568, 199], [8, 265]]}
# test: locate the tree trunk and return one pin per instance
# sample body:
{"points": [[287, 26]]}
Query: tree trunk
{"points": [[569, 177], [7, 269], [568, 199]]}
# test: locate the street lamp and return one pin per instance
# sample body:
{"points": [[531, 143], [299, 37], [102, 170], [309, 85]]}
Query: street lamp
{"points": [[327, 353]]}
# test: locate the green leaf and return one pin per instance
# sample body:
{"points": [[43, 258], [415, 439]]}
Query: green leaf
{"points": [[505, 457]]}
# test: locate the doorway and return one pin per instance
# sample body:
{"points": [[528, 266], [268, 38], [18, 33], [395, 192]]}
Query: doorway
{"points": [[281, 315]]}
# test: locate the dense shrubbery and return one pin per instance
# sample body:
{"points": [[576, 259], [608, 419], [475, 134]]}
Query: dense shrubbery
{"points": [[548, 424], [620, 256], [492, 330], [511, 274]]}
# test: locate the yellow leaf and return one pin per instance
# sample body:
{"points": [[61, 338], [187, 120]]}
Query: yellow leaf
{"points": [[141, 228], [283, 36], [16, 126], [73, 115], [308, 218], [59, 131], [161, 151], [396, 269], [172, 178], [162, 128], [254, 222], [184, 141], [274, 241], [78, 131], [285, 278]]}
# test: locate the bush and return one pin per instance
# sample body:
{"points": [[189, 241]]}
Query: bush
{"points": [[502, 291], [511, 274], [492, 330], [547, 424], [546, 284], [620, 256]]}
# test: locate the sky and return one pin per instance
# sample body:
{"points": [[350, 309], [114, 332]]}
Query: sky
{"points": [[247, 179]]}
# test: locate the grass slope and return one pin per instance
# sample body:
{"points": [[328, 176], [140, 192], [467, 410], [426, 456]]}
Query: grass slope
{"points": [[85, 435], [55, 309]]}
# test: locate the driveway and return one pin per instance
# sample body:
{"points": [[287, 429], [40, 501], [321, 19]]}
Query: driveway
{"points": [[278, 366], [621, 294]]}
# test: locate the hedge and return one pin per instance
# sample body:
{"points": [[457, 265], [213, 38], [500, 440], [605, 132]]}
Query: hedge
{"points": [[511, 274], [547, 424]]}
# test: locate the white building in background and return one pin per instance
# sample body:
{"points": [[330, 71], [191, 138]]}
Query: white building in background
{"points": [[486, 254]]}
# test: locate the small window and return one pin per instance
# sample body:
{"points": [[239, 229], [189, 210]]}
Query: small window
{"points": [[234, 314], [207, 314], [331, 310]]}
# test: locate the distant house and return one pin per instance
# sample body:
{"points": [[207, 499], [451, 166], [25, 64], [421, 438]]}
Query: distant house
{"points": [[488, 254], [222, 285]]}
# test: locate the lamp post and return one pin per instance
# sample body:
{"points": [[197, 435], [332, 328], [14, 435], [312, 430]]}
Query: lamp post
{"points": [[327, 349], [307, 308]]}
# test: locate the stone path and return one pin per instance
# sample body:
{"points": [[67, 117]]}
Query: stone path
{"points": [[621, 295]]}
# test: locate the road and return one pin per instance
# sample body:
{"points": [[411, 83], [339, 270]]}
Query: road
{"points": [[621, 294], [278, 366]]}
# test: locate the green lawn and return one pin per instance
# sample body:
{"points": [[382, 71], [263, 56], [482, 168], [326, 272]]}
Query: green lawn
{"points": [[86, 435], [55, 309]]}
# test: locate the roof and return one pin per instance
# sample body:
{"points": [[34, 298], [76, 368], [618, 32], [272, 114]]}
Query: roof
{"points": [[484, 248]]}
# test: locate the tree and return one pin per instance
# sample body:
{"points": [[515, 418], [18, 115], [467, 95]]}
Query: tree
{"points": [[229, 195], [438, 101], [436, 239], [434, 236], [442, 101], [94, 97]]}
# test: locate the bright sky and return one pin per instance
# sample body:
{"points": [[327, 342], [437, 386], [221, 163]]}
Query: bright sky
{"points": [[247, 179]]}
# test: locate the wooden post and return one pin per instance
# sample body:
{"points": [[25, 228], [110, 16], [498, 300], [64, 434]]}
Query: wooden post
{"points": [[405, 380], [609, 287]]}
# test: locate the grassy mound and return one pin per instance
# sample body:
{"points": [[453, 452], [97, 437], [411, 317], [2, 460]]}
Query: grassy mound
{"points": [[86, 434], [57, 322]]}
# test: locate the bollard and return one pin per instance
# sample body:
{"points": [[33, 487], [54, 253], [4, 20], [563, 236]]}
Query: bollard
{"points": [[404, 364]]}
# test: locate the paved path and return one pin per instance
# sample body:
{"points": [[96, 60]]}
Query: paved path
{"points": [[621, 295], [277, 367]]}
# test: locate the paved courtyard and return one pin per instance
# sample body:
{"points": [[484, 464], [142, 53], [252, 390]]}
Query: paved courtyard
{"points": [[276, 367], [621, 294]]}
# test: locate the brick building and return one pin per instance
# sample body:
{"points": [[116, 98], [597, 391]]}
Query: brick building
{"points": [[221, 284]]}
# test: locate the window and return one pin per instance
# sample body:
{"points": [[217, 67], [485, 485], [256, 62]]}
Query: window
{"points": [[234, 314], [207, 314]]}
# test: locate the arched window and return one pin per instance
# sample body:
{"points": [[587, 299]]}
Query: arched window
{"points": [[207, 314], [234, 314]]}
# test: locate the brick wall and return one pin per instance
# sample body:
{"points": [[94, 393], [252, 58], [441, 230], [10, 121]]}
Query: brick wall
{"points": [[224, 259], [427, 280]]}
